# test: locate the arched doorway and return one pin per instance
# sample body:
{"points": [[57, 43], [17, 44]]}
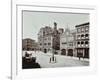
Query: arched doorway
{"points": [[63, 52], [45, 50], [70, 52], [86, 54]]}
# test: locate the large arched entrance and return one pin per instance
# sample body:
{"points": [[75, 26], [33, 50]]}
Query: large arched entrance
{"points": [[70, 52], [63, 52]]}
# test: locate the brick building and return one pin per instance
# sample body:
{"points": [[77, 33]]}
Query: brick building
{"points": [[29, 44], [82, 40]]}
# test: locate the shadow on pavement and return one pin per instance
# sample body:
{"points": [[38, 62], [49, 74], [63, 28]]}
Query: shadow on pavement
{"points": [[29, 63]]}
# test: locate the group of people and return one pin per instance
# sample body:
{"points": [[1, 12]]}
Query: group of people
{"points": [[29, 62]]}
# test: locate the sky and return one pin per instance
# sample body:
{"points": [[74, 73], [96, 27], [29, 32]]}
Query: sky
{"points": [[33, 21]]}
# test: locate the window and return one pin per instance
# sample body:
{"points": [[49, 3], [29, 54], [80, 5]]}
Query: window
{"points": [[43, 33], [64, 42], [82, 29], [86, 42], [78, 36], [45, 38], [71, 44], [48, 49], [86, 35], [49, 43], [87, 28], [78, 30], [82, 36], [45, 44], [49, 38], [82, 42], [78, 42]]}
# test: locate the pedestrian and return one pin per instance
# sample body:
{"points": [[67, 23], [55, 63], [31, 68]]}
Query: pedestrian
{"points": [[50, 60], [79, 57], [55, 60]]}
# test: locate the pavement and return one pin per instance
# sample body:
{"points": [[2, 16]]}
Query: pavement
{"points": [[61, 61]]}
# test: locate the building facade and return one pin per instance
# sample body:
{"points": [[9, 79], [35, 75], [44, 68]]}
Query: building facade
{"points": [[29, 44], [45, 39], [82, 40], [67, 43], [49, 38]]}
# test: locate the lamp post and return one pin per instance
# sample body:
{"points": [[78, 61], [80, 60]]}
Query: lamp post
{"points": [[54, 35]]}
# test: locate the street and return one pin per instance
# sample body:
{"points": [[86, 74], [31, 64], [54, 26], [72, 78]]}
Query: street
{"points": [[61, 61]]}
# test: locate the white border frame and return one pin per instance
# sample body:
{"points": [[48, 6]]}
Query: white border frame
{"points": [[18, 73]]}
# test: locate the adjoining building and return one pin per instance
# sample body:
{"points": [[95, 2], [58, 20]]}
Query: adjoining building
{"points": [[29, 44], [82, 40], [67, 42], [49, 38], [45, 39]]}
